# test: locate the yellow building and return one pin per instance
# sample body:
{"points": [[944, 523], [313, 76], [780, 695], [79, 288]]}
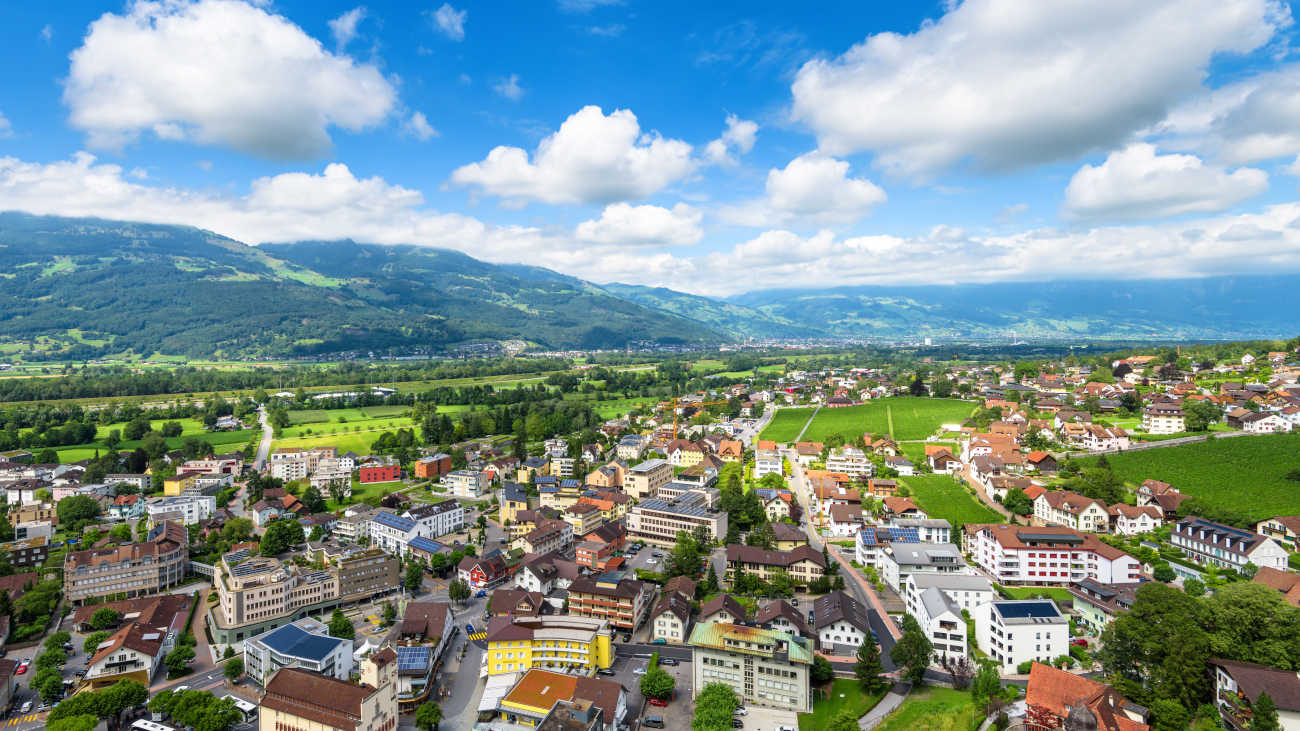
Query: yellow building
{"points": [[180, 483], [584, 518], [513, 499], [516, 644], [533, 697]]}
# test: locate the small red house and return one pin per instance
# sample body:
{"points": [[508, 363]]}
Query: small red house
{"points": [[386, 473], [483, 572]]}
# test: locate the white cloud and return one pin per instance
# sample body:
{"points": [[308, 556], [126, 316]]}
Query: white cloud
{"points": [[419, 126], [465, 79], [1006, 84], [624, 225], [592, 158], [1010, 213], [740, 134], [1249, 232], [609, 31], [1255, 119], [6, 129], [509, 88], [585, 6], [1138, 184], [811, 189], [47, 32], [344, 27], [450, 21], [218, 72]]}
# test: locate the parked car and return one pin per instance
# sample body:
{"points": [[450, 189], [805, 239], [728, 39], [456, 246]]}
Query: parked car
{"points": [[737, 723], [667, 661], [657, 702], [639, 671], [659, 641], [605, 671], [627, 636], [1079, 641], [740, 711], [22, 669], [26, 707], [794, 602], [480, 594]]}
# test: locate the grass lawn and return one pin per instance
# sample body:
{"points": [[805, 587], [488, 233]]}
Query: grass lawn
{"points": [[361, 492], [915, 451], [1025, 592], [824, 711], [358, 442], [942, 497], [930, 709], [193, 428], [341, 419]]}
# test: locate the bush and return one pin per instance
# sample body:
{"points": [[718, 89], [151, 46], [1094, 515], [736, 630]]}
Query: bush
{"points": [[1024, 667]]}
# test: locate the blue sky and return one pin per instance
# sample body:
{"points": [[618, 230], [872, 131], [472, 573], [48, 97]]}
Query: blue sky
{"points": [[712, 148]]}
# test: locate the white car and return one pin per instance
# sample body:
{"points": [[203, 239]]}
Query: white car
{"points": [[639, 671], [651, 562], [740, 712], [182, 689], [26, 707]]}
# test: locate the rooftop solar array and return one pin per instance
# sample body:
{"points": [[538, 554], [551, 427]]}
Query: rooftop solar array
{"points": [[1028, 610], [424, 544], [903, 535], [1057, 537], [412, 659], [250, 567], [674, 508], [293, 641], [394, 521]]}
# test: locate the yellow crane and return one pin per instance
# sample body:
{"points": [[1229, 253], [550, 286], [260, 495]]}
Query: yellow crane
{"points": [[676, 404]]}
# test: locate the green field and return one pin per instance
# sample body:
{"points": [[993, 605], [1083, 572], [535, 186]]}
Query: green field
{"points": [[915, 451], [309, 417], [825, 711], [942, 497], [931, 709], [378, 412], [1235, 474], [193, 428], [786, 425], [911, 418]]}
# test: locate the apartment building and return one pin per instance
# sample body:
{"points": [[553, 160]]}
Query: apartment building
{"points": [[1207, 542], [767, 461], [850, 461], [840, 622], [514, 497], [1047, 556], [803, 564], [192, 508], [517, 644], [558, 494], [622, 602], [1012, 632], [467, 484], [658, 521], [257, 593], [302, 700], [941, 619], [438, 519], [28, 552], [766, 667], [304, 644], [967, 591], [323, 479], [928, 530], [1097, 604], [130, 570], [584, 518], [1163, 419], [1072, 510], [644, 480], [433, 466], [552, 537], [35, 511], [393, 533], [901, 560]]}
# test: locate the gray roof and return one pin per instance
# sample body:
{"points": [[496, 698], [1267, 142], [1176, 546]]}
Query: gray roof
{"points": [[837, 606], [1029, 611], [921, 523], [923, 554], [937, 603], [648, 465], [294, 641], [950, 582]]}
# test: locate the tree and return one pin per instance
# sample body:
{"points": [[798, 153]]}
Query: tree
{"points": [[844, 721], [340, 626], [733, 534], [1201, 414], [1168, 716], [796, 512], [6, 604], [684, 560], [104, 618], [781, 583], [1265, 713], [1017, 502], [73, 723], [822, 670], [763, 537], [1193, 587], [458, 591], [1163, 572], [280, 535], [48, 682], [912, 653], [428, 715], [1249, 570], [77, 507], [438, 563], [390, 612], [313, 501], [172, 429], [234, 668], [122, 532], [868, 668], [177, 659], [986, 684], [154, 445], [414, 577], [317, 533], [657, 683], [959, 668], [57, 640], [918, 386], [112, 440], [711, 584], [51, 658]]}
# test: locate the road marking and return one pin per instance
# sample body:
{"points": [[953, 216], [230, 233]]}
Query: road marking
{"points": [[478, 636]]}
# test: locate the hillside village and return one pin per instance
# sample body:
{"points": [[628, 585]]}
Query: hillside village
{"points": [[869, 529]]}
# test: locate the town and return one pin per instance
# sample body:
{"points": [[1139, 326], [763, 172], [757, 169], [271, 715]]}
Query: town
{"points": [[823, 540]]}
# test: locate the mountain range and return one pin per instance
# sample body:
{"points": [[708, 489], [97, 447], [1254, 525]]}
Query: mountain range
{"points": [[84, 288]]}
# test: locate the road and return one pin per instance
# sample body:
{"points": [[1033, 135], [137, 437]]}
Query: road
{"points": [[264, 447]]}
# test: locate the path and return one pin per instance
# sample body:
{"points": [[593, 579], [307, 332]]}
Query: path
{"points": [[807, 424], [889, 416], [264, 448], [968, 474], [887, 705]]}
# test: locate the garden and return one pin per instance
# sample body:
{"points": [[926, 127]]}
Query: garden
{"points": [[845, 695], [942, 497], [932, 709]]}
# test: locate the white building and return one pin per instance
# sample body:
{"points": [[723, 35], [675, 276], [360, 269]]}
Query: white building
{"points": [[1206, 542], [631, 446], [193, 507], [393, 533], [1163, 419], [900, 560], [966, 590], [1049, 556], [850, 461], [438, 519], [1012, 632], [1130, 520], [303, 644], [1265, 423], [841, 622], [766, 667], [323, 478], [289, 469], [466, 484], [940, 618], [929, 530], [766, 461]]}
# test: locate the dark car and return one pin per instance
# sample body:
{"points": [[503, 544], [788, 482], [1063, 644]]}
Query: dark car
{"points": [[737, 723], [605, 671], [667, 661], [627, 636]]}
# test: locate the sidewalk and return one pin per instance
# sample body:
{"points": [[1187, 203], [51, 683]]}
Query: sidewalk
{"points": [[887, 705]]}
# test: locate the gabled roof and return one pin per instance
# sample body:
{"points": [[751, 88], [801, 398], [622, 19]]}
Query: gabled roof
{"points": [[1058, 692], [840, 606], [720, 602], [320, 698], [759, 555], [781, 608], [675, 603], [426, 619], [1252, 679]]}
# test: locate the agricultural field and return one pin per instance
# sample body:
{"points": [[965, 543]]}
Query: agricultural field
{"points": [[904, 418], [942, 497], [354, 428], [309, 417], [786, 425], [193, 428], [1235, 474], [378, 412], [358, 442]]}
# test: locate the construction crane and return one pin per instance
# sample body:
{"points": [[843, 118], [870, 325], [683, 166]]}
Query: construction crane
{"points": [[676, 404]]}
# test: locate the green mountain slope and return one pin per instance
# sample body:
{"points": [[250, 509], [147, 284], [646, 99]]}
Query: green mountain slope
{"points": [[724, 317], [83, 288]]}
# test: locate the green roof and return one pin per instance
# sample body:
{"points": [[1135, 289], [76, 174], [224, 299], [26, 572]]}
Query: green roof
{"points": [[714, 635]]}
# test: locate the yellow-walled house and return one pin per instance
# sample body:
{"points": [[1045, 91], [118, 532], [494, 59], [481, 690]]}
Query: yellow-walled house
{"points": [[516, 644], [173, 486], [537, 692]]}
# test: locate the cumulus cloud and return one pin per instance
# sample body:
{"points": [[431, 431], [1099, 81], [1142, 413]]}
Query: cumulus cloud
{"points": [[739, 135], [344, 27], [1007, 84], [1254, 119], [419, 126], [811, 189], [585, 6], [1010, 213], [450, 21], [1138, 184], [609, 31], [509, 88], [592, 158], [626, 225], [218, 72]]}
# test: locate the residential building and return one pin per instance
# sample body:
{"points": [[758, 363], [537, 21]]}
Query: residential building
{"points": [[438, 519], [28, 552], [1012, 632], [37, 511], [670, 619], [803, 564], [304, 644], [518, 644], [1238, 685], [514, 497], [609, 596], [132, 569], [1265, 422], [941, 619], [644, 480], [767, 461], [1163, 418], [608, 476], [551, 701], [324, 479], [518, 604], [967, 591], [1056, 699], [258, 593], [1149, 490], [182, 482], [841, 623], [928, 530], [301, 700], [845, 520], [467, 484], [355, 523], [902, 507], [658, 521], [393, 533], [558, 493], [553, 536], [1285, 529], [34, 529], [192, 508], [1205, 542], [781, 615], [1130, 520], [788, 537], [723, 608], [483, 573], [851, 461], [1048, 556], [631, 446], [140, 482], [901, 560], [380, 473], [133, 652], [1071, 510], [1096, 603], [435, 465], [766, 667]]}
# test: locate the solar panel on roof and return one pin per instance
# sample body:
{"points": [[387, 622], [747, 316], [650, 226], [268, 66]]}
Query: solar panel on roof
{"points": [[412, 658], [903, 535], [1028, 610]]}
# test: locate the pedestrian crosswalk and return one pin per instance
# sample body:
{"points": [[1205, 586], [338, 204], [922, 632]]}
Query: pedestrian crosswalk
{"points": [[478, 636], [24, 719]]}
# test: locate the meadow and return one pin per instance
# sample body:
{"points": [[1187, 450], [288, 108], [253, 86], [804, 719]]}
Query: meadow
{"points": [[915, 451], [853, 699], [932, 709], [785, 425], [941, 497], [1234, 474], [193, 429], [904, 418]]}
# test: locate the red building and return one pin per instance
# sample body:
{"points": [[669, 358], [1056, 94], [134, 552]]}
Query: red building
{"points": [[387, 473], [435, 466], [483, 572]]}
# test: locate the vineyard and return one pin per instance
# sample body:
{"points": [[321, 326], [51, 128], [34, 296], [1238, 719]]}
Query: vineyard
{"points": [[785, 425], [850, 422], [905, 418], [941, 497], [1238, 474]]}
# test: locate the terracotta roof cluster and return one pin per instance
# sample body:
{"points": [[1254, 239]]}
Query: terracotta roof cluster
{"points": [[328, 701], [1060, 693], [764, 557], [1287, 583], [519, 603], [158, 610]]}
